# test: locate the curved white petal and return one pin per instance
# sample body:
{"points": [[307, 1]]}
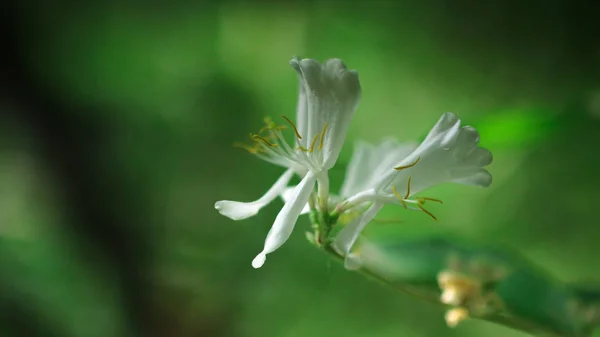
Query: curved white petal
{"points": [[332, 94], [389, 153], [370, 162], [286, 219], [237, 210], [302, 107], [358, 169], [474, 177], [449, 153], [287, 195], [349, 234], [445, 123]]}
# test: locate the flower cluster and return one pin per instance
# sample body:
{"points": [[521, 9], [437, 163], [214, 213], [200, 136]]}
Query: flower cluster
{"points": [[377, 175]]}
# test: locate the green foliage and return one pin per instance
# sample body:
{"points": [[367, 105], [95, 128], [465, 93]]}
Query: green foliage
{"points": [[489, 284], [176, 86]]}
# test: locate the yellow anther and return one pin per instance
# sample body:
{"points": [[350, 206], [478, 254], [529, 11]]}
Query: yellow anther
{"points": [[302, 148], [398, 196], [251, 149], [257, 137], [314, 141], [423, 199], [400, 168], [270, 125], [322, 136], [293, 127], [426, 211], [241, 145], [407, 189]]}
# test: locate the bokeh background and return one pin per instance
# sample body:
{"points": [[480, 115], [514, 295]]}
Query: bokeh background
{"points": [[117, 123]]}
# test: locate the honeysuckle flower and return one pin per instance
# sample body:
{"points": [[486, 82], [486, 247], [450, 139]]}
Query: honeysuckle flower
{"points": [[368, 163], [394, 174], [328, 96]]}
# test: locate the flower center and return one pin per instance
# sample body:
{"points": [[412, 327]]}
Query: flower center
{"points": [[270, 144]]}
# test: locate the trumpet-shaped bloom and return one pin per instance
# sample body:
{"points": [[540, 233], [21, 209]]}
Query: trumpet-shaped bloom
{"points": [[368, 163], [393, 174], [328, 96]]}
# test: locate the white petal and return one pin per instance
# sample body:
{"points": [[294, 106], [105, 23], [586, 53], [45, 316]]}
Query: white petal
{"points": [[447, 121], [287, 195], [359, 167], [286, 219], [448, 154], [349, 234], [237, 210], [370, 162], [332, 95], [389, 153], [301, 108], [472, 177], [259, 260]]}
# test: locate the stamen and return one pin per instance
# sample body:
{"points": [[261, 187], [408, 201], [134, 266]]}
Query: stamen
{"points": [[257, 137], [314, 141], [322, 136], [251, 149], [426, 211], [272, 136], [408, 189], [241, 145], [400, 168], [430, 199], [293, 127], [302, 148], [270, 125], [399, 197]]}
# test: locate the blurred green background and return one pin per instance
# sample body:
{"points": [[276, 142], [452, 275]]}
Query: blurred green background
{"points": [[171, 86]]}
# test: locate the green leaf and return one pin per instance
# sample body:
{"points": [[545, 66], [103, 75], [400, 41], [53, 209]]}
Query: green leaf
{"points": [[485, 283]]}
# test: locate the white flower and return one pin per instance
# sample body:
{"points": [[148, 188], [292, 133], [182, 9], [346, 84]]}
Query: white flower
{"points": [[328, 97], [237, 210], [393, 174], [368, 163]]}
